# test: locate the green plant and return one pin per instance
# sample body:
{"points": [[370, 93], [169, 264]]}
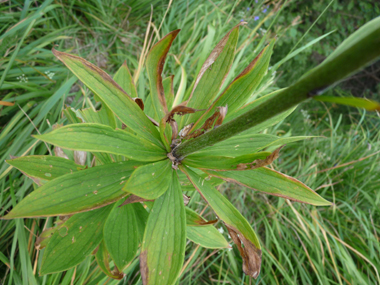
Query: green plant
{"points": [[144, 152]]}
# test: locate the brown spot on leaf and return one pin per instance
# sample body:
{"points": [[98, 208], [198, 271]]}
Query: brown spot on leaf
{"points": [[250, 253], [134, 199], [144, 270], [139, 102]]}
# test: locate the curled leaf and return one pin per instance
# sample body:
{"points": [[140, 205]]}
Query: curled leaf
{"points": [[214, 121], [250, 253], [260, 162], [186, 129], [180, 110]]}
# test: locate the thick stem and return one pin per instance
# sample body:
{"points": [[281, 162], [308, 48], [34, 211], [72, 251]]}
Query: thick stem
{"points": [[352, 55]]}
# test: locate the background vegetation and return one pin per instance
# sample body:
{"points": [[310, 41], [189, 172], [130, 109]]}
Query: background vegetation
{"points": [[302, 244]]}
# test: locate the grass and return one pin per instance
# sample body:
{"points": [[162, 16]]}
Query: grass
{"points": [[302, 244]]}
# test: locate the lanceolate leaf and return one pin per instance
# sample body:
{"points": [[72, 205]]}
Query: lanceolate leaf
{"points": [[207, 237], [112, 95], [102, 259], [169, 91], [221, 163], [351, 101], [45, 166], [246, 144], [274, 183], [198, 230], [213, 73], [81, 191], [121, 233], [154, 64], [163, 247], [239, 228], [124, 78], [239, 91], [100, 138], [74, 241], [150, 181]]}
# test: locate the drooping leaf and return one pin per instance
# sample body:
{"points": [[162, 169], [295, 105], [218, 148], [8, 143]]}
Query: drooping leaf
{"points": [[213, 73], [154, 65], [100, 138], [163, 247], [202, 232], [244, 144], [351, 101], [81, 191], [239, 228], [239, 91], [44, 166], [221, 163], [101, 84], [76, 239], [274, 183], [103, 260], [150, 181], [124, 78], [122, 235]]}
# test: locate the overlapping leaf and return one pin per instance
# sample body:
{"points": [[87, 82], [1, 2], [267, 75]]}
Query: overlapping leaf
{"points": [[74, 241], [150, 181], [274, 183], [101, 84], [81, 191], [239, 228], [163, 247], [103, 260], [122, 232], [100, 138]]}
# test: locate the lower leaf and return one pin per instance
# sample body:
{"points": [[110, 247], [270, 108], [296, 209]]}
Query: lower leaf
{"points": [[74, 241], [163, 248]]}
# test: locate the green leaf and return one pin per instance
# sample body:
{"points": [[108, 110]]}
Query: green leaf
{"points": [[150, 181], [72, 193], [163, 247], [154, 65], [213, 73], [221, 163], [274, 183], [101, 84], [207, 237], [244, 144], [74, 241], [122, 234], [102, 259], [242, 87], [351, 101], [124, 78], [199, 232], [100, 138], [169, 91], [239, 228], [45, 166]]}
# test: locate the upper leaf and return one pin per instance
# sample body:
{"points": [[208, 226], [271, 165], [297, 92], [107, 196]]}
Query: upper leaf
{"points": [[274, 183], [101, 84], [155, 64], [74, 241], [163, 247], [213, 73], [72, 193], [239, 228], [124, 78], [100, 138]]}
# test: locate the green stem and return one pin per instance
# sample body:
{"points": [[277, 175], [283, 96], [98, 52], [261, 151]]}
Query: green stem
{"points": [[357, 51]]}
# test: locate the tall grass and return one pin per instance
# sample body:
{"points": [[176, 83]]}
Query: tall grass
{"points": [[302, 244]]}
